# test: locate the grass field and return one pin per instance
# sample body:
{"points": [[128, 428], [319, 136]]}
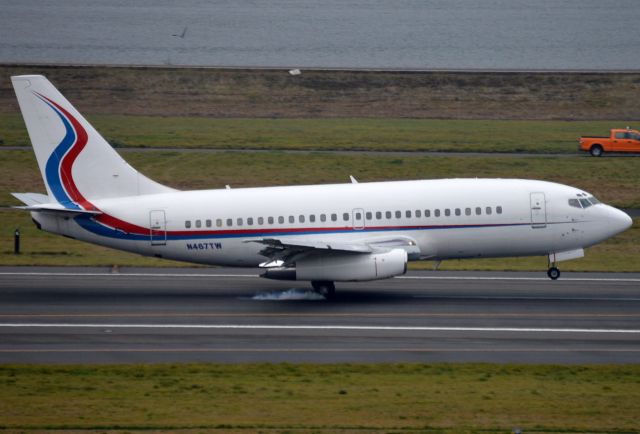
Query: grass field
{"points": [[321, 398], [333, 134], [614, 180], [237, 93]]}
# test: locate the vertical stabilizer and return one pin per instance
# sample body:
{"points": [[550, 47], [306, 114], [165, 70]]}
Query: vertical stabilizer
{"points": [[76, 162]]}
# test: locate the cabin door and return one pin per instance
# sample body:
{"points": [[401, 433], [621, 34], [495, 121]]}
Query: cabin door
{"points": [[157, 227], [538, 211]]}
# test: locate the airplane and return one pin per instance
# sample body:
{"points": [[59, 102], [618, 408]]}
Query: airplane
{"points": [[318, 233]]}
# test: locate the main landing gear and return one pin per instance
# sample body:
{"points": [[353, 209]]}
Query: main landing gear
{"points": [[553, 273], [325, 288]]}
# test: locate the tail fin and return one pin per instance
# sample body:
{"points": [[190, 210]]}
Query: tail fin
{"points": [[76, 163]]}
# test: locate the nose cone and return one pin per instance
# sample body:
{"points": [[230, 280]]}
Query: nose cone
{"points": [[618, 221]]}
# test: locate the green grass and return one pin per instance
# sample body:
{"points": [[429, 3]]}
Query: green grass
{"points": [[613, 180], [333, 134], [321, 398]]}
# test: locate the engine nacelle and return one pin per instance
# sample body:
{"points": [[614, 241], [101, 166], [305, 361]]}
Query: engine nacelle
{"points": [[344, 267]]}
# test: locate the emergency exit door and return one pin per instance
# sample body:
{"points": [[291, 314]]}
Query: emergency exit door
{"points": [[358, 218]]}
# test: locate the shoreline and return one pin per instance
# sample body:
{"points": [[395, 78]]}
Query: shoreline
{"points": [[321, 68]]}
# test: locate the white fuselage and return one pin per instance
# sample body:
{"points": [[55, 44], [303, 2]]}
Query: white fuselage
{"points": [[449, 218]]}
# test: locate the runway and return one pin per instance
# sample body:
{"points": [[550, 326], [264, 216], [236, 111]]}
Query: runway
{"points": [[92, 315]]}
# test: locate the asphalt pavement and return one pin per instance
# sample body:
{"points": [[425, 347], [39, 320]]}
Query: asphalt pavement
{"points": [[102, 315]]}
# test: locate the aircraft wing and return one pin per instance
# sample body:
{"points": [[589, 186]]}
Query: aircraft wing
{"points": [[283, 252]]}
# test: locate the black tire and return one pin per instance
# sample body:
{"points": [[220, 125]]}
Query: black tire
{"points": [[596, 151], [553, 273], [325, 288]]}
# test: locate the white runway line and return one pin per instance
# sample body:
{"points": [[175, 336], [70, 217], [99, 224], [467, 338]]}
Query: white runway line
{"points": [[317, 327], [545, 279], [67, 274], [204, 275], [526, 297]]}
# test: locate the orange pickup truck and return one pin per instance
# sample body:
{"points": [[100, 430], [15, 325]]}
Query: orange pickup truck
{"points": [[626, 140]]}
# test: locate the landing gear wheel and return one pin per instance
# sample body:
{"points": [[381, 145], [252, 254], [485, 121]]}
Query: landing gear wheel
{"points": [[553, 273], [325, 288]]}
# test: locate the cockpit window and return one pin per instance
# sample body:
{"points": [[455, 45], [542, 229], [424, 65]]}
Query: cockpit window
{"points": [[585, 203]]}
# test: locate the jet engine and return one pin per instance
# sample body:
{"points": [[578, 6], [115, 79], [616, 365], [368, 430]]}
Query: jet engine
{"points": [[345, 267]]}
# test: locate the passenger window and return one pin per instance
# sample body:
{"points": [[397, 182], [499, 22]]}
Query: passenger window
{"points": [[369, 215], [250, 221], [378, 215], [280, 219], [260, 220], [345, 216], [398, 214], [619, 135], [458, 212], [358, 216], [437, 213], [270, 220], [488, 210], [208, 222], [292, 219], [323, 217], [312, 218], [387, 214], [499, 209], [229, 222], [219, 223], [198, 223], [301, 218], [447, 212], [478, 210], [187, 224], [427, 213], [467, 211], [418, 213], [239, 221], [334, 217]]}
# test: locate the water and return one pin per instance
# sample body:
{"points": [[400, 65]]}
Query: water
{"points": [[440, 34]]}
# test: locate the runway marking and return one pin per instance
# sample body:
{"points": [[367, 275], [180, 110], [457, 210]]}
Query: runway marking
{"points": [[317, 327], [68, 274], [504, 297], [205, 275], [317, 350], [321, 315], [543, 279]]}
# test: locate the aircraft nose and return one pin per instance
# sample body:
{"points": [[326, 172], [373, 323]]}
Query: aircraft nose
{"points": [[619, 220]]}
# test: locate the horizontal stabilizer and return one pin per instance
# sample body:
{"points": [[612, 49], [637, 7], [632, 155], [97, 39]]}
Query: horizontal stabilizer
{"points": [[40, 202], [30, 199]]}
